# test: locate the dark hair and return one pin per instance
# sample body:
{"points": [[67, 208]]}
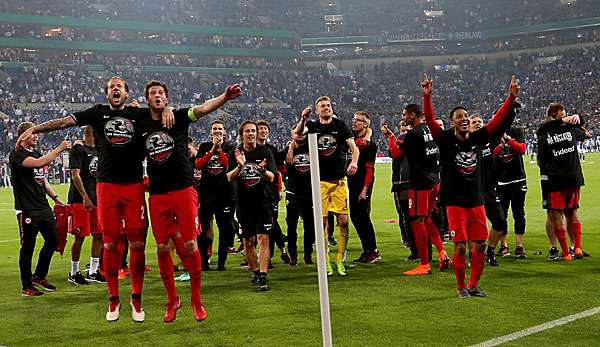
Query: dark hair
{"points": [[244, 123], [456, 109], [154, 83], [554, 108], [23, 126], [264, 123], [190, 140], [115, 78], [217, 121], [414, 108]]}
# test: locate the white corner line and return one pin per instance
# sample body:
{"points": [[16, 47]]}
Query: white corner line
{"points": [[538, 328]]}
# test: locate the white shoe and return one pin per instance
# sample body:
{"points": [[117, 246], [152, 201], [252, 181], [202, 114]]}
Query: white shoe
{"points": [[113, 316], [137, 317]]}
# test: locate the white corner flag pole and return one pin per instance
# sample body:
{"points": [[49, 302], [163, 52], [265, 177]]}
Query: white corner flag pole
{"points": [[315, 180]]}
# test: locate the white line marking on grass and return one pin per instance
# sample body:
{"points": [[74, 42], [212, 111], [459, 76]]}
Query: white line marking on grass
{"points": [[4, 241], [538, 328]]}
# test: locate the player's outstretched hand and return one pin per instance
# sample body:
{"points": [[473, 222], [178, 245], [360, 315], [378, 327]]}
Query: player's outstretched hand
{"points": [[233, 92], [427, 85], [386, 131], [514, 86], [306, 113], [352, 168], [66, 144]]}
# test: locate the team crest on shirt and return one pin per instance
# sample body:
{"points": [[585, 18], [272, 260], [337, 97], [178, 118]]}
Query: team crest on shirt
{"points": [[302, 162], [214, 166], [39, 177], [327, 145], [159, 146], [250, 176], [27, 220], [466, 162], [118, 131], [93, 167]]}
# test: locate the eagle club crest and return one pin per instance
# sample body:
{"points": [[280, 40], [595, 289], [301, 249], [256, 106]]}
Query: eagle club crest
{"points": [[118, 131], [159, 146], [214, 166], [39, 177], [466, 162]]}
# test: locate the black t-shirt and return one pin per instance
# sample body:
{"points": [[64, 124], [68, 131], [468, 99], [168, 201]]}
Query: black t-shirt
{"points": [[120, 149], [85, 159], [509, 164], [169, 167], [29, 188], [423, 157], [331, 139], [558, 155], [279, 165], [488, 170], [298, 173], [213, 181], [461, 168], [251, 187], [400, 171], [368, 153]]}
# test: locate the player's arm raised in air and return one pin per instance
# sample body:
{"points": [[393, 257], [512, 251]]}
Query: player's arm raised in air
{"points": [[394, 144], [501, 117], [231, 92], [51, 125], [428, 110], [36, 163]]}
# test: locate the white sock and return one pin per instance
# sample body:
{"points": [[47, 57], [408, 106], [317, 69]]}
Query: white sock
{"points": [[74, 267], [94, 264]]}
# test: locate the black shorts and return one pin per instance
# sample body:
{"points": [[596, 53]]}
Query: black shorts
{"points": [[256, 219], [495, 213]]}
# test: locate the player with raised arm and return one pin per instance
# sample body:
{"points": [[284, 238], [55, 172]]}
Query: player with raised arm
{"points": [[423, 157], [332, 134], [34, 214], [173, 199], [461, 188], [119, 189]]}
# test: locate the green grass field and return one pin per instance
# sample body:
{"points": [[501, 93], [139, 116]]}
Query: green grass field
{"points": [[373, 306]]}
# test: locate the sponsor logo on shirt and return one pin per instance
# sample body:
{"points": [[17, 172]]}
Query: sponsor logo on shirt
{"points": [[327, 145], [118, 131], [39, 177], [159, 146], [466, 162], [301, 162], [93, 167], [556, 138]]}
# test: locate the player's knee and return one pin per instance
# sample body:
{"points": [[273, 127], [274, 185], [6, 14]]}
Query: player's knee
{"points": [[110, 246], [190, 246], [163, 247], [460, 248], [479, 246]]}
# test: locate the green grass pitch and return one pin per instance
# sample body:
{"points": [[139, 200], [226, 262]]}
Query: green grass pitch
{"points": [[373, 306]]}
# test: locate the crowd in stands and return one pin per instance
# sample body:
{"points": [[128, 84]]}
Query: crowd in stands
{"points": [[279, 96]]}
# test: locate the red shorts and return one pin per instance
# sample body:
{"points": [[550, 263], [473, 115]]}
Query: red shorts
{"points": [[467, 223], [121, 207], [422, 202], [561, 200], [174, 212], [83, 223]]}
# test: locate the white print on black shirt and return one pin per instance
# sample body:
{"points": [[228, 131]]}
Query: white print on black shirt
{"points": [[431, 151], [214, 166], [94, 166], [197, 176], [249, 175], [39, 177], [558, 153], [556, 138], [301, 162], [327, 145], [159, 146], [118, 131], [466, 162]]}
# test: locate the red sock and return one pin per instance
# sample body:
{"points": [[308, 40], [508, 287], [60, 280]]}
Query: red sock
{"points": [[459, 264], [434, 235], [577, 234], [421, 241], [192, 262], [165, 265], [562, 239], [477, 262], [137, 267], [112, 262]]}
